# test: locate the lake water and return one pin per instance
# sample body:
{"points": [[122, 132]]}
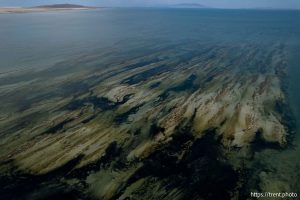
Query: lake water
{"points": [[40, 40], [37, 39]]}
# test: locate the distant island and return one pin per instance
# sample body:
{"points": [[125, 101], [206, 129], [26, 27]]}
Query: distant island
{"points": [[45, 8], [63, 6]]}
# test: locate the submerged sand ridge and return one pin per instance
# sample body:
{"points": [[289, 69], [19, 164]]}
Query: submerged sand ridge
{"points": [[172, 109]]}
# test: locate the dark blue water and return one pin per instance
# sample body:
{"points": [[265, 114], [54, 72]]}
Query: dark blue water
{"points": [[38, 39]]}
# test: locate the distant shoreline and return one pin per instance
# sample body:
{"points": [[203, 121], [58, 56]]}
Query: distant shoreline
{"points": [[9, 10]]}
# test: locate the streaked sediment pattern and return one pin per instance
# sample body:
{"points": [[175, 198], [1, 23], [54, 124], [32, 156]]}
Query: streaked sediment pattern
{"points": [[179, 122]]}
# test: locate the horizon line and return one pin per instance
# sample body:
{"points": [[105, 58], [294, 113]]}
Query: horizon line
{"points": [[169, 6]]}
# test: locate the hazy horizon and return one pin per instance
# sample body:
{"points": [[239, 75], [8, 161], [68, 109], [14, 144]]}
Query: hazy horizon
{"points": [[274, 4]]}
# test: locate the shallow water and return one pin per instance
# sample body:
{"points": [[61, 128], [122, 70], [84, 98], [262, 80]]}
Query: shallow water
{"points": [[78, 41]]}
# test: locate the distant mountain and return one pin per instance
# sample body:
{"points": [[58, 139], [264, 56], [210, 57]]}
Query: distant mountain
{"points": [[188, 5], [64, 6]]}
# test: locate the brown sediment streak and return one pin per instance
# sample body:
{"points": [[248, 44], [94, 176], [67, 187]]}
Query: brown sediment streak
{"points": [[143, 106]]}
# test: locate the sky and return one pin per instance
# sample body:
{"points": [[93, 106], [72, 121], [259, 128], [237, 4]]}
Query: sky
{"points": [[281, 4]]}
